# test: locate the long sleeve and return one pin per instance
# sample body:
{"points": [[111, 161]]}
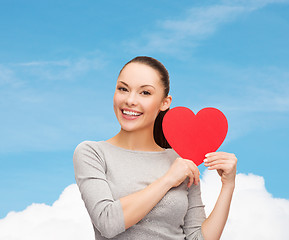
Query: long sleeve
{"points": [[195, 214], [105, 212]]}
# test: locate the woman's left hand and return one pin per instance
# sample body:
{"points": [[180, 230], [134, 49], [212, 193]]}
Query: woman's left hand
{"points": [[225, 163]]}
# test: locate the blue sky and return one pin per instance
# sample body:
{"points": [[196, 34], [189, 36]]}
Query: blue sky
{"points": [[59, 61]]}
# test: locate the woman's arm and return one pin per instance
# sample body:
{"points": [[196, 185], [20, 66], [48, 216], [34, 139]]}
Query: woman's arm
{"points": [[225, 164], [137, 205], [90, 174]]}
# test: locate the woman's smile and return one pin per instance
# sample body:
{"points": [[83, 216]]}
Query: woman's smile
{"points": [[130, 114]]}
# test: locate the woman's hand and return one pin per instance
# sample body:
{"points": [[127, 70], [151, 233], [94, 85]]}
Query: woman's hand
{"points": [[180, 170], [225, 163]]}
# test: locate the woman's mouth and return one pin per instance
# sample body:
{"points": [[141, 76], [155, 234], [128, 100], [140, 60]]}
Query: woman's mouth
{"points": [[130, 115]]}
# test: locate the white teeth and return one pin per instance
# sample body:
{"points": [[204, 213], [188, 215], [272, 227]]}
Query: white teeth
{"points": [[131, 113]]}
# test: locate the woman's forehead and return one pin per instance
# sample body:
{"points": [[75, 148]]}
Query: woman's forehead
{"points": [[137, 74]]}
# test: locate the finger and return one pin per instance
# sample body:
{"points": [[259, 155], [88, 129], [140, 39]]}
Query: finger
{"points": [[195, 171], [225, 167], [214, 154], [208, 163], [191, 178], [216, 167], [227, 160], [215, 162], [219, 156], [209, 154], [194, 168]]}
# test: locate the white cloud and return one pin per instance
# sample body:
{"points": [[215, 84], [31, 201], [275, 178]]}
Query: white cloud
{"points": [[8, 78], [65, 219], [46, 63], [5, 75], [173, 36], [65, 69], [255, 214], [22, 75], [252, 4]]}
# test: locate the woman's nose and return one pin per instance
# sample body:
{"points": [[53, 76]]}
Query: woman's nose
{"points": [[131, 99]]}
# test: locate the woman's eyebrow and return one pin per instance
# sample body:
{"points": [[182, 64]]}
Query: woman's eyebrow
{"points": [[124, 83], [147, 85]]}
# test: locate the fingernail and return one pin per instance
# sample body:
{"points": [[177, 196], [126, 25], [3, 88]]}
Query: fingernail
{"points": [[207, 155], [205, 160]]}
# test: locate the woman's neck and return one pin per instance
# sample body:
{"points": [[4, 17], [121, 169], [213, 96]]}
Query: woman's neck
{"points": [[136, 140]]}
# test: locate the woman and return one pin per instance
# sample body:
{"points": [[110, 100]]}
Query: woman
{"points": [[134, 185]]}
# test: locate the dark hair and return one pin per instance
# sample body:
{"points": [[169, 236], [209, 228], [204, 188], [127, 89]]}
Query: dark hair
{"points": [[165, 79]]}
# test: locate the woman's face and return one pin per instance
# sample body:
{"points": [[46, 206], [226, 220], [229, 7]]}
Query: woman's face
{"points": [[138, 97]]}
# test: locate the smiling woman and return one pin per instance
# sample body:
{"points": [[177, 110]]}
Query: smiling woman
{"points": [[134, 185], [140, 95]]}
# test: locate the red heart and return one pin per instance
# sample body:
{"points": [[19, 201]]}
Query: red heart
{"points": [[192, 136]]}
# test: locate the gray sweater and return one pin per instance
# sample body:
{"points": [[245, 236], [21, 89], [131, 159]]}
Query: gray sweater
{"points": [[104, 173]]}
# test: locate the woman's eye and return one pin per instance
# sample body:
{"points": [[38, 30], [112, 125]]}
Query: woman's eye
{"points": [[146, 93], [122, 89]]}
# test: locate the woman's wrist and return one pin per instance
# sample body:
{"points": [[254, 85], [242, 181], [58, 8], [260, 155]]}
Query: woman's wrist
{"points": [[229, 185], [168, 183]]}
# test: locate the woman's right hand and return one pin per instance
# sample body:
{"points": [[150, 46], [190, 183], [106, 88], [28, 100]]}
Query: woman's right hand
{"points": [[180, 170]]}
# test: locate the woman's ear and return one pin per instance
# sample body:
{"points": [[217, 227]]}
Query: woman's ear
{"points": [[166, 103]]}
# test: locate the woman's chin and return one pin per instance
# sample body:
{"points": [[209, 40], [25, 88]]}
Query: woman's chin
{"points": [[129, 125], [128, 128]]}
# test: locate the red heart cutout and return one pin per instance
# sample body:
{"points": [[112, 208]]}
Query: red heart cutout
{"points": [[192, 136]]}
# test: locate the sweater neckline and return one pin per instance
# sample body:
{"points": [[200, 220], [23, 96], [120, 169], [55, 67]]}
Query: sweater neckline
{"points": [[135, 151]]}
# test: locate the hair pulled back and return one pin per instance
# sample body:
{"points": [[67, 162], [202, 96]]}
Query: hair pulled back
{"points": [[164, 77]]}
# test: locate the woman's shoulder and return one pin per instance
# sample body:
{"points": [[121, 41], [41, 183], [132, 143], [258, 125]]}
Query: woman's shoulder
{"points": [[89, 147], [88, 155], [88, 144]]}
